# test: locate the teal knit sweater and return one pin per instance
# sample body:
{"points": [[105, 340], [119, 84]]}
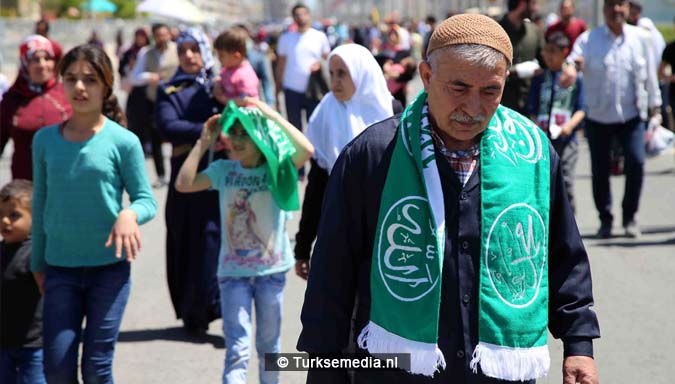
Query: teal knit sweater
{"points": [[77, 194]]}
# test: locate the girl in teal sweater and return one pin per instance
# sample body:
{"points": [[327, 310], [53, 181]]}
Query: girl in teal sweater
{"points": [[83, 238]]}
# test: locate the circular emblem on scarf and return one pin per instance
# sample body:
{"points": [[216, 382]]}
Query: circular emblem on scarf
{"points": [[515, 254], [407, 263]]}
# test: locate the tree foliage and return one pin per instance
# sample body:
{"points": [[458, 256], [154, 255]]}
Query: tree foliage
{"points": [[60, 7], [126, 9]]}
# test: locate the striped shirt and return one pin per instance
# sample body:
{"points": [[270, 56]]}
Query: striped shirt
{"points": [[463, 162]]}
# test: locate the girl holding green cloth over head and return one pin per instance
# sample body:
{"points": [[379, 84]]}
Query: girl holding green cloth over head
{"points": [[257, 188]]}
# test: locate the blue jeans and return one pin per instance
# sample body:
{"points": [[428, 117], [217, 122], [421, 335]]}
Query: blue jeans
{"points": [[236, 296], [262, 67], [98, 294], [21, 366], [631, 136], [295, 103]]}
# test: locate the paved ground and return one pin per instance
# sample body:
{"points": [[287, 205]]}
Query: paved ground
{"points": [[632, 286]]}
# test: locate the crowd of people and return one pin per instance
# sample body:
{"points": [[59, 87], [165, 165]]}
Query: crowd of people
{"points": [[404, 195]]}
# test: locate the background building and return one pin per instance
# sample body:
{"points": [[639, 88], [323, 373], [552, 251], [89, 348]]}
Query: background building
{"points": [[231, 11]]}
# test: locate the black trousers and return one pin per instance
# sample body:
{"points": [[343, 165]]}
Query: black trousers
{"points": [[155, 142], [311, 211]]}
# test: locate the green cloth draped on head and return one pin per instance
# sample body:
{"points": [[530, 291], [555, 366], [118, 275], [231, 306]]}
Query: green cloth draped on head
{"points": [[277, 149]]}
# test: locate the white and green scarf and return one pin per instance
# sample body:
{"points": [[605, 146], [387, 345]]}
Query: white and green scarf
{"points": [[405, 279], [556, 104]]}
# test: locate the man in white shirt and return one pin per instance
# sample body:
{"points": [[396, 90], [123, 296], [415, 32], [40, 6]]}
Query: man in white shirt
{"points": [[155, 64], [299, 55], [622, 91], [658, 42], [635, 18]]}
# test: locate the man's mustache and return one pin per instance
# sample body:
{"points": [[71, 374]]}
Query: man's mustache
{"points": [[464, 118]]}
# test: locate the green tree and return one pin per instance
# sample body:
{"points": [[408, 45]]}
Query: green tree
{"points": [[668, 31], [126, 9], [60, 7]]}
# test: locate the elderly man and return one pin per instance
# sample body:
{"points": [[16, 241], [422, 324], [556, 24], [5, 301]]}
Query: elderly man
{"points": [[450, 227], [622, 91]]}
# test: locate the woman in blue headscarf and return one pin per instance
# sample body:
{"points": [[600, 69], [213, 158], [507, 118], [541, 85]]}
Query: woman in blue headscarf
{"points": [[192, 220]]}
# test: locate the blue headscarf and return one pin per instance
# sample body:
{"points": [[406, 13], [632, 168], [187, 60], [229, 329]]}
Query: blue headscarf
{"points": [[198, 36]]}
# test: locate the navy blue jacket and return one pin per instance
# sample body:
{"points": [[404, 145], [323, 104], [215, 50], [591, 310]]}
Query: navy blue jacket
{"points": [[183, 105], [340, 269]]}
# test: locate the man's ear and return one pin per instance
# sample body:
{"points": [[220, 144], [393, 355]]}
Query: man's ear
{"points": [[425, 74]]}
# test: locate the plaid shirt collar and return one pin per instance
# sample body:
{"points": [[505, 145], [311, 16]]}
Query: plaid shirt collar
{"points": [[462, 162], [470, 153]]}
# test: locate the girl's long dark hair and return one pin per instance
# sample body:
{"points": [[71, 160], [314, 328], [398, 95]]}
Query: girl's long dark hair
{"points": [[102, 65]]}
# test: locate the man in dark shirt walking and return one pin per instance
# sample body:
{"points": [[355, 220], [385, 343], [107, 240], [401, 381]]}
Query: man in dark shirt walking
{"points": [[450, 228]]}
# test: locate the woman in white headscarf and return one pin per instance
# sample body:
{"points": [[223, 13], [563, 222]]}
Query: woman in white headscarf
{"points": [[359, 97]]}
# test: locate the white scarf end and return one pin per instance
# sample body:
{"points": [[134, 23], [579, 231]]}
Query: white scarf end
{"points": [[425, 358], [512, 364]]}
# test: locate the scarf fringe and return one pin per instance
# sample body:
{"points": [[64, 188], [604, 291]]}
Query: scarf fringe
{"points": [[513, 364], [425, 358]]}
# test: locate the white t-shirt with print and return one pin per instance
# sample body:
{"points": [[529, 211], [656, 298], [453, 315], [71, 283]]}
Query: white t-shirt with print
{"points": [[254, 241], [301, 51]]}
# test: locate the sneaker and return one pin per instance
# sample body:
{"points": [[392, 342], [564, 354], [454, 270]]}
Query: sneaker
{"points": [[632, 230], [160, 183], [605, 231]]}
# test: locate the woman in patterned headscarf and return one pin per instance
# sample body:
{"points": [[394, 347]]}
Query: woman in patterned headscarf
{"points": [[34, 101], [192, 220]]}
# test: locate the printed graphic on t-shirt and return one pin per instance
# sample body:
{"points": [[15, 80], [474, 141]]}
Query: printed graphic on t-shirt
{"points": [[249, 244], [254, 241]]}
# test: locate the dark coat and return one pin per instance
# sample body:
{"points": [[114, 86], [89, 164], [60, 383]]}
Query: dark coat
{"points": [[527, 42], [20, 298], [192, 219], [341, 262]]}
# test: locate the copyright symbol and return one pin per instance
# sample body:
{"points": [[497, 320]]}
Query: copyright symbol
{"points": [[282, 362]]}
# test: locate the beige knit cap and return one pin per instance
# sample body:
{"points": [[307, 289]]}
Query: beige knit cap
{"points": [[471, 29]]}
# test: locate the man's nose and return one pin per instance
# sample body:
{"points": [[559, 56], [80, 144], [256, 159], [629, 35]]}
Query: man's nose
{"points": [[472, 104]]}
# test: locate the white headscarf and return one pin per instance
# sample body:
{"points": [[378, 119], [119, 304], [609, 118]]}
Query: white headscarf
{"points": [[335, 123]]}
